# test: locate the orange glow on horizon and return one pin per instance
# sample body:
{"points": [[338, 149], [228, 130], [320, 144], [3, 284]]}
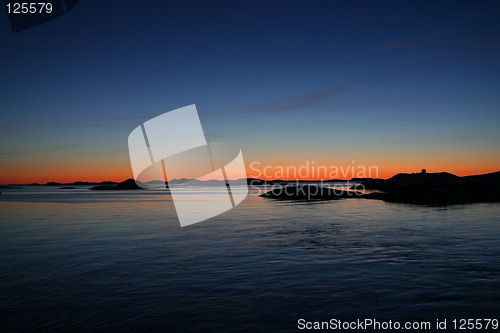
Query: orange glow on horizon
{"points": [[110, 172]]}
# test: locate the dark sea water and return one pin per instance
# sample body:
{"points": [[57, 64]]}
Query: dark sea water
{"points": [[80, 260]]}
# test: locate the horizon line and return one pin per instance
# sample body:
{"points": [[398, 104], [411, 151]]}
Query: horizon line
{"points": [[261, 179]]}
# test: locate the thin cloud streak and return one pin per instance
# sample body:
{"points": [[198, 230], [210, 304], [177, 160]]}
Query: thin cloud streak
{"points": [[309, 99]]}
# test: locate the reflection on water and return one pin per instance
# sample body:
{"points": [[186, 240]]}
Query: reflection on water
{"points": [[118, 260]]}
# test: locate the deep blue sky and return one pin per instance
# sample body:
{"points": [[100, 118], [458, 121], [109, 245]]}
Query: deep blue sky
{"points": [[389, 83]]}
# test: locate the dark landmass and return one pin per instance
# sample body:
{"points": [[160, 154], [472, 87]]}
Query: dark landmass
{"points": [[129, 184], [79, 183], [156, 184], [309, 192], [489, 179], [436, 188], [67, 188], [364, 179], [179, 181], [257, 182], [417, 188], [196, 182], [442, 180]]}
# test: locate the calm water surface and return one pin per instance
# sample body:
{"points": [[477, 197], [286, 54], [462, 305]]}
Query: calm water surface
{"points": [[75, 260]]}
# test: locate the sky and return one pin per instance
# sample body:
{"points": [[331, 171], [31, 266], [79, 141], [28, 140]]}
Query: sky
{"points": [[396, 85]]}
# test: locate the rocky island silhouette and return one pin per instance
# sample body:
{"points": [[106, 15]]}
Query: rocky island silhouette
{"points": [[416, 188]]}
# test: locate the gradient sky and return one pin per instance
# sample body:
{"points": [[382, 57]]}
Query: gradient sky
{"points": [[393, 84]]}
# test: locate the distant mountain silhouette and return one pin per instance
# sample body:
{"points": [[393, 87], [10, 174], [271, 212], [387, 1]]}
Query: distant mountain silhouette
{"points": [[93, 183], [129, 184]]}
